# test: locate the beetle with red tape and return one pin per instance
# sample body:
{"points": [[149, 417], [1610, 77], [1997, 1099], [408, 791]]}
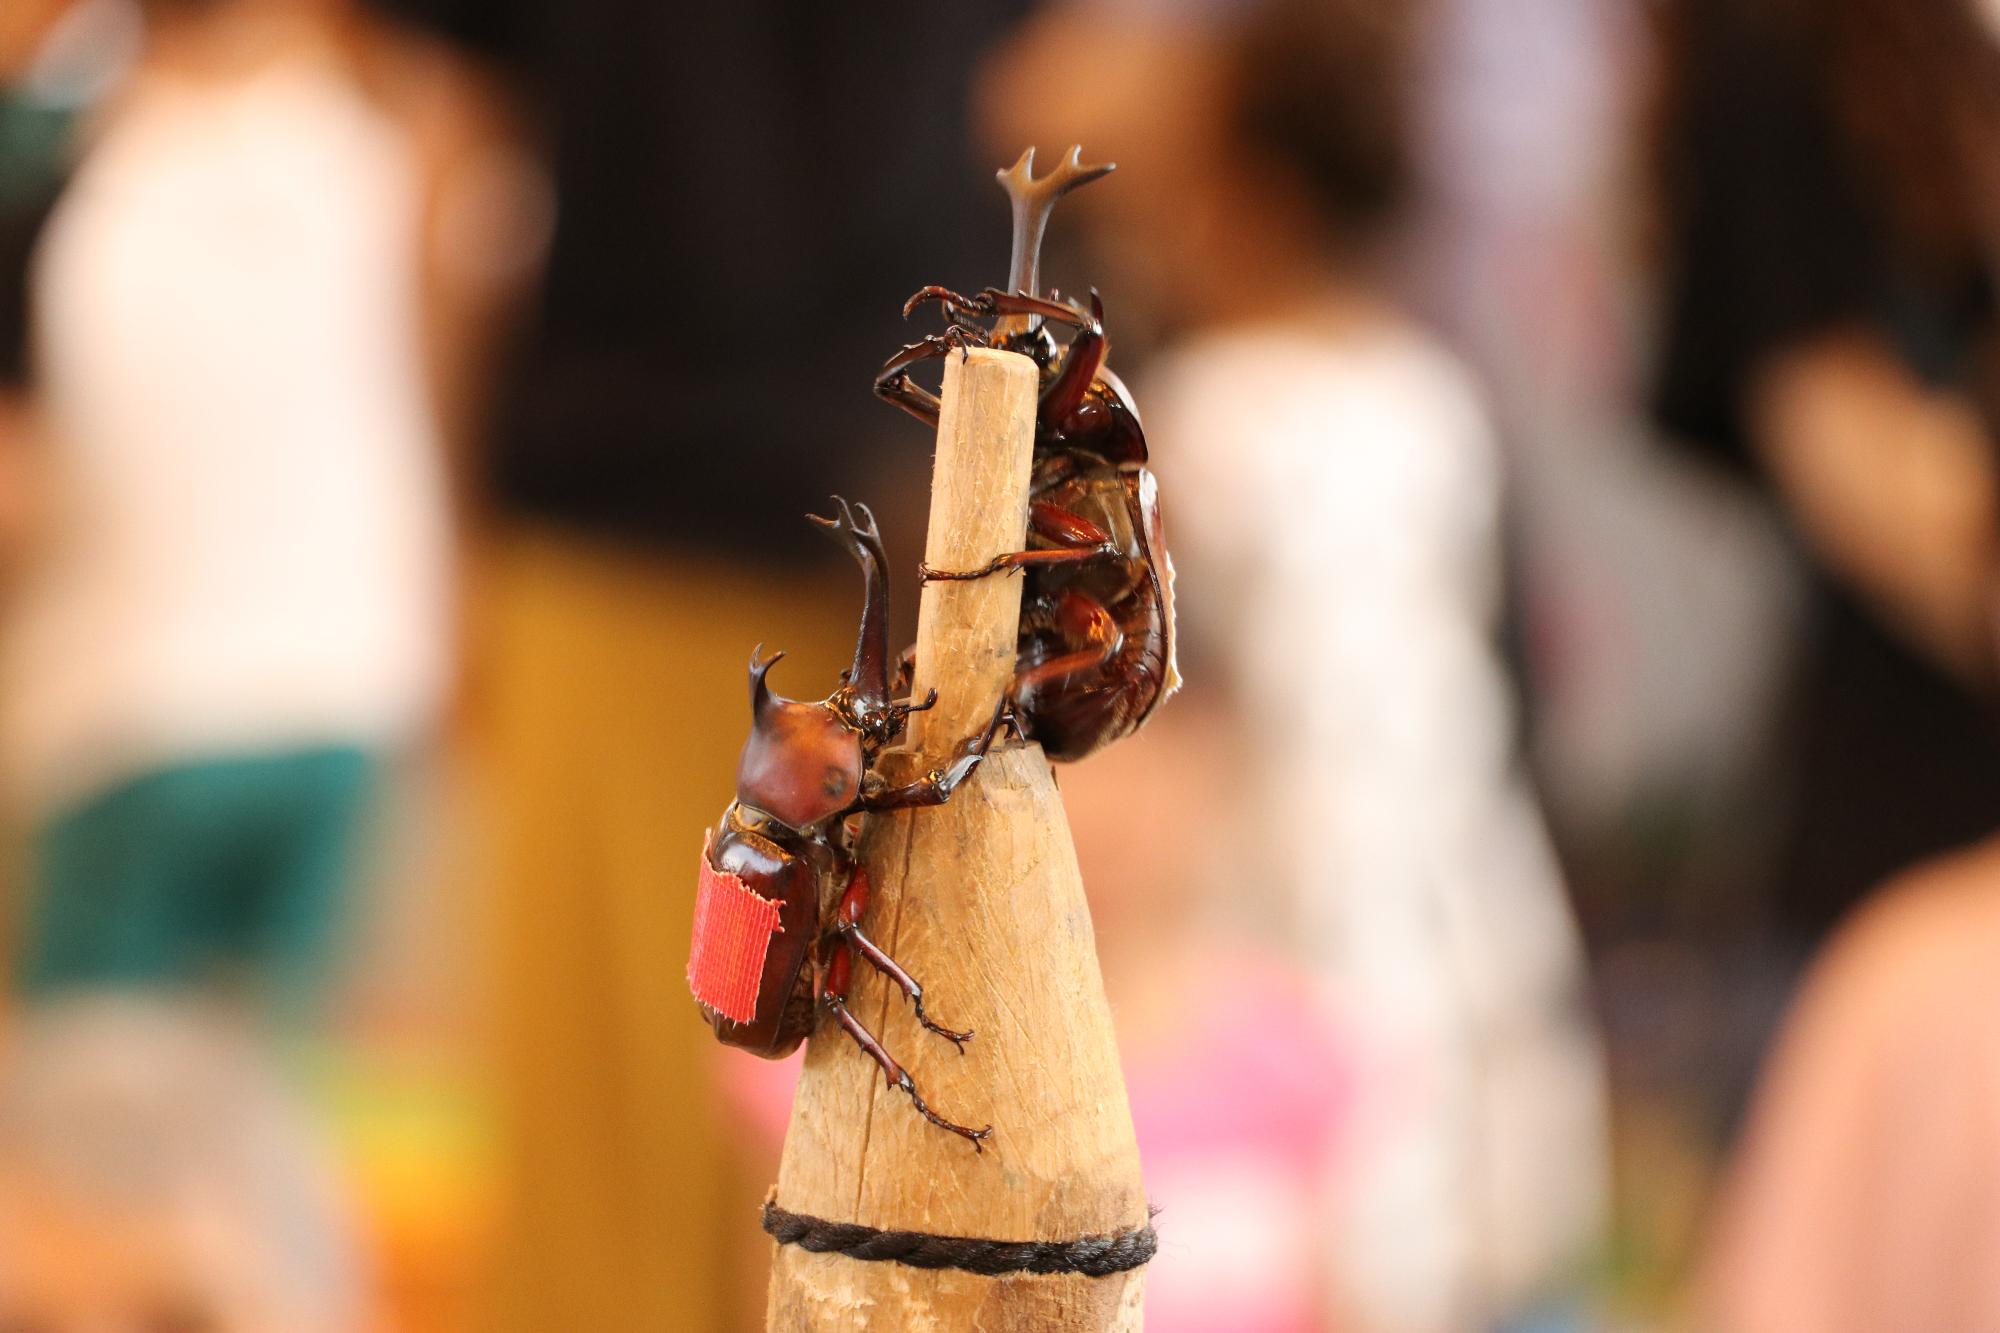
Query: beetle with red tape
{"points": [[782, 896], [1096, 647]]}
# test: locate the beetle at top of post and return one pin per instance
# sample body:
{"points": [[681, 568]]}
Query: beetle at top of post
{"points": [[1095, 653]]}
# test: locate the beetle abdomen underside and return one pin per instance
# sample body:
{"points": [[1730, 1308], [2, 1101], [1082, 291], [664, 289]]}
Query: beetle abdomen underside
{"points": [[1103, 701]]}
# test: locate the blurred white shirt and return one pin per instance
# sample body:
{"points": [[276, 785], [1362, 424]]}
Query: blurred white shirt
{"points": [[1334, 505], [250, 543]]}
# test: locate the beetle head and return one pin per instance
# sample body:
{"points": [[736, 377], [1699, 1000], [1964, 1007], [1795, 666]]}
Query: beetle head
{"points": [[1037, 344], [803, 762]]}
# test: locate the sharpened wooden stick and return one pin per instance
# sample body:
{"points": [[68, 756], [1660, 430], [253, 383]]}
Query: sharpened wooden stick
{"points": [[966, 631], [981, 900]]}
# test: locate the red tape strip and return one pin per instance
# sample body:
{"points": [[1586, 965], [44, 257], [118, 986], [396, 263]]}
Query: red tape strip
{"points": [[733, 927]]}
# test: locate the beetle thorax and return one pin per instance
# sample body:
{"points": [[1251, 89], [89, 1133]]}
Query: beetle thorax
{"points": [[802, 764]]}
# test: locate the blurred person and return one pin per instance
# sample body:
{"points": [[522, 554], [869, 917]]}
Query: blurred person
{"points": [[1866, 1193], [55, 56], [1831, 176], [155, 1176], [1341, 773], [1831, 173], [744, 194], [1652, 595], [231, 613]]}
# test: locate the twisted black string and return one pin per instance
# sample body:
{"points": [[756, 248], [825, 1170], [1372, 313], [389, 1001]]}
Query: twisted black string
{"points": [[1093, 1256]]}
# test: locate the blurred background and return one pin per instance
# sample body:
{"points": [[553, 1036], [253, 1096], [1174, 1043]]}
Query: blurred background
{"points": [[1576, 425]]}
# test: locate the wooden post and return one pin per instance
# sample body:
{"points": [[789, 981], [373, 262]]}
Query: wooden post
{"points": [[980, 899]]}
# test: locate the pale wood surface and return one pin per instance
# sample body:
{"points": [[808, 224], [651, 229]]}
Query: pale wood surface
{"points": [[979, 509], [981, 900]]}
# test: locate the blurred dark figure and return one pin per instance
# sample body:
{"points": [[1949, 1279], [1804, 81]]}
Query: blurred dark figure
{"points": [[1833, 176], [36, 124], [1832, 170], [744, 194]]}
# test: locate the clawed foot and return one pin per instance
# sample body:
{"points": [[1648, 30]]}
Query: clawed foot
{"points": [[945, 781], [972, 1136], [955, 304], [958, 338], [989, 302], [951, 1035], [900, 713]]}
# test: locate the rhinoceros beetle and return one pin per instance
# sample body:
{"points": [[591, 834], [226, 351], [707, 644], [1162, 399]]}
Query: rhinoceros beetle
{"points": [[781, 895], [1096, 647]]}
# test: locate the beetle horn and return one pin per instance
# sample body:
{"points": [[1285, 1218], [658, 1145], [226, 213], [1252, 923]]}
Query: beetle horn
{"points": [[868, 678], [760, 693], [1033, 200]]}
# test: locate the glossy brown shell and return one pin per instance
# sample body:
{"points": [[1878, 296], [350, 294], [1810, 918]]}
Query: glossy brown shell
{"points": [[1076, 716], [802, 763], [753, 849]]}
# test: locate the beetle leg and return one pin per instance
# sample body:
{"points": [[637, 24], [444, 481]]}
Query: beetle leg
{"points": [[1079, 617], [847, 925], [1014, 562], [833, 996], [898, 1076], [893, 383], [954, 304], [993, 301], [1080, 365], [1074, 540], [936, 787], [1054, 523], [900, 713], [1065, 393], [904, 982], [1058, 668]]}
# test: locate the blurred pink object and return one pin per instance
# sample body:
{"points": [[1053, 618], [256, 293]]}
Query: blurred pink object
{"points": [[1866, 1195], [1238, 1119], [1238, 1122], [760, 1096]]}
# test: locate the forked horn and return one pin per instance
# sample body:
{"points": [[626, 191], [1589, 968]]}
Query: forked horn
{"points": [[855, 529], [1033, 200], [760, 693]]}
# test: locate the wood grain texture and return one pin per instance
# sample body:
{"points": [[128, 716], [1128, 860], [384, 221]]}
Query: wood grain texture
{"points": [[967, 631], [982, 901]]}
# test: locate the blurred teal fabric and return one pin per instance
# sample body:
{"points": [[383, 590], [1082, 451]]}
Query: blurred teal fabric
{"points": [[234, 867], [35, 143]]}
